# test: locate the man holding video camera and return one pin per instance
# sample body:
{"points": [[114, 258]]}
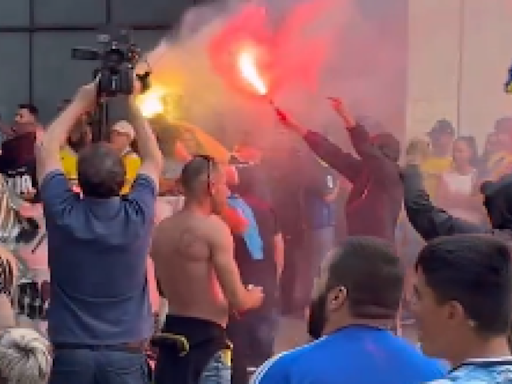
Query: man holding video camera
{"points": [[99, 319]]}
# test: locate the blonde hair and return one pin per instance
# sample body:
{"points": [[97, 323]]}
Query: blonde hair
{"points": [[24, 357]]}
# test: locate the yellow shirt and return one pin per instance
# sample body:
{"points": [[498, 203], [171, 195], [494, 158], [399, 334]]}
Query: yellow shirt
{"points": [[69, 160], [432, 168], [131, 164]]}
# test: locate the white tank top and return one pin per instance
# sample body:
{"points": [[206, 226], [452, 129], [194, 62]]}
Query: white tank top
{"points": [[463, 185]]}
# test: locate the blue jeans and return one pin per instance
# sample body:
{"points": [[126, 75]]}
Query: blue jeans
{"points": [[218, 370], [83, 366]]}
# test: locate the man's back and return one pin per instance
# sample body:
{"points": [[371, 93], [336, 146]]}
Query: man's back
{"points": [[353, 355], [97, 255], [181, 251]]}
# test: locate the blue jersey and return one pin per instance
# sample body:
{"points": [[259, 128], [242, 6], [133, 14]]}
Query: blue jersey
{"points": [[481, 371], [352, 355]]}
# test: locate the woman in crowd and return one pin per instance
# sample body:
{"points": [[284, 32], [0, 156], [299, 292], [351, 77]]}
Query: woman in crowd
{"points": [[458, 187]]}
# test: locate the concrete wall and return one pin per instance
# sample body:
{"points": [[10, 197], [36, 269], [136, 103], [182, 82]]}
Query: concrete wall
{"points": [[459, 54], [36, 37]]}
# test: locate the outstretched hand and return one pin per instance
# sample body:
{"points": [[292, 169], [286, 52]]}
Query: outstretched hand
{"points": [[339, 106], [417, 151], [287, 122]]}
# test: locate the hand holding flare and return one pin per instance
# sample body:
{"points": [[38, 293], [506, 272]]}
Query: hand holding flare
{"points": [[341, 109]]}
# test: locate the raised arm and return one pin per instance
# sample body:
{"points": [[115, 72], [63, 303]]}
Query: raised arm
{"points": [[239, 297], [151, 157], [428, 220], [344, 163], [359, 136], [48, 152]]}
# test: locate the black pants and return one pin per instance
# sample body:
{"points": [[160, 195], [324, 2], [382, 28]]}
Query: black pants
{"points": [[191, 351]]}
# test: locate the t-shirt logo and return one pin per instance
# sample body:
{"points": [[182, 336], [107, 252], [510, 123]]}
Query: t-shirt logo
{"points": [[21, 184]]}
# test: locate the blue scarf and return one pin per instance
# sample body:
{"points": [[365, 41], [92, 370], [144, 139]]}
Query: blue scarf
{"points": [[251, 235]]}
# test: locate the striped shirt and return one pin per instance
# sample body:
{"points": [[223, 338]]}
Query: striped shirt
{"points": [[10, 223]]}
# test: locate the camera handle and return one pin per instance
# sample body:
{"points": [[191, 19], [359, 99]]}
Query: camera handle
{"points": [[100, 120]]}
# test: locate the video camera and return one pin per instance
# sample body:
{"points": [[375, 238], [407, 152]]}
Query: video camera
{"points": [[118, 57]]}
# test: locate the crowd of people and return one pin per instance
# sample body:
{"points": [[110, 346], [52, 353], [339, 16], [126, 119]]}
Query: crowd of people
{"points": [[143, 258]]}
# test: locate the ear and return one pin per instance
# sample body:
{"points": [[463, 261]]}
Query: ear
{"points": [[336, 298], [455, 313]]}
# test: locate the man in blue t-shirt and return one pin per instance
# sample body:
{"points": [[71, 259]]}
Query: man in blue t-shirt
{"points": [[463, 303], [355, 301], [99, 318]]}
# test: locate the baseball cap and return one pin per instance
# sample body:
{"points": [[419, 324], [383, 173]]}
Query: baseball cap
{"points": [[124, 127], [442, 127]]}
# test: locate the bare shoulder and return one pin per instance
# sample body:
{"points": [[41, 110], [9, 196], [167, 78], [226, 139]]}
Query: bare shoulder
{"points": [[215, 227], [164, 228]]}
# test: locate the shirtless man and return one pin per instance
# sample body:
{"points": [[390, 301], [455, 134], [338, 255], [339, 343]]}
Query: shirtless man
{"points": [[195, 266]]}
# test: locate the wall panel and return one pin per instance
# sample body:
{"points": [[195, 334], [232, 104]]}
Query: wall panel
{"points": [[163, 12], [14, 73], [56, 76], [69, 12], [14, 13]]}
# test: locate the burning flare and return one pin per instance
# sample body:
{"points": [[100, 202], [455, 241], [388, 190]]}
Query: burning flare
{"points": [[151, 103], [248, 70]]}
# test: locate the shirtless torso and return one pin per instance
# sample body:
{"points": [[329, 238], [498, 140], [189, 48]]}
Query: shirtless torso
{"points": [[194, 264]]}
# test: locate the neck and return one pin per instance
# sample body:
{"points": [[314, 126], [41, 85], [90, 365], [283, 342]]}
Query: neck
{"points": [[493, 348], [462, 168], [196, 206], [379, 324]]}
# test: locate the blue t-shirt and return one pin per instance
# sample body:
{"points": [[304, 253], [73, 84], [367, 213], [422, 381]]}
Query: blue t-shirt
{"points": [[97, 251], [353, 355], [322, 181], [481, 371]]}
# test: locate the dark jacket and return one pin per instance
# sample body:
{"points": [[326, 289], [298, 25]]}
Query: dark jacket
{"points": [[431, 222], [375, 199]]}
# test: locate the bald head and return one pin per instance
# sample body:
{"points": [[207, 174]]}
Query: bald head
{"points": [[101, 172]]}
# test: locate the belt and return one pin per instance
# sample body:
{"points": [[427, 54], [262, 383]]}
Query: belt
{"points": [[133, 347]]}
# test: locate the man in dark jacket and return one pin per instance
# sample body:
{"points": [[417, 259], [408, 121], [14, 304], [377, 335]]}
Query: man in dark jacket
{"points": [[375, 199], [431, 222]]}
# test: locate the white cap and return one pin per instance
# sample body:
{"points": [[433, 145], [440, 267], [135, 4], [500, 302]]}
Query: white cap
{"points": [[124, 127]]}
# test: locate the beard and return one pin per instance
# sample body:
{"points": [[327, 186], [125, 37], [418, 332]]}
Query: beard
{"points": [[317, 317]]}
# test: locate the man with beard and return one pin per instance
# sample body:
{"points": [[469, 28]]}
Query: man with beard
{"points": [[463, 297], [375, 200], [195, 266], [351, 318], [431, 221]]}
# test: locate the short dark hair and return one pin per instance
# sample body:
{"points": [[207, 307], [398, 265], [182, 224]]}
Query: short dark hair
{"points": [[372, 274], [475, 271], [101, 172], [29, 107], [195, 169]]}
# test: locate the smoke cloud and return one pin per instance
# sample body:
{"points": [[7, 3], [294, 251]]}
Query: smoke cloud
{"points": [[354, 49]]}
